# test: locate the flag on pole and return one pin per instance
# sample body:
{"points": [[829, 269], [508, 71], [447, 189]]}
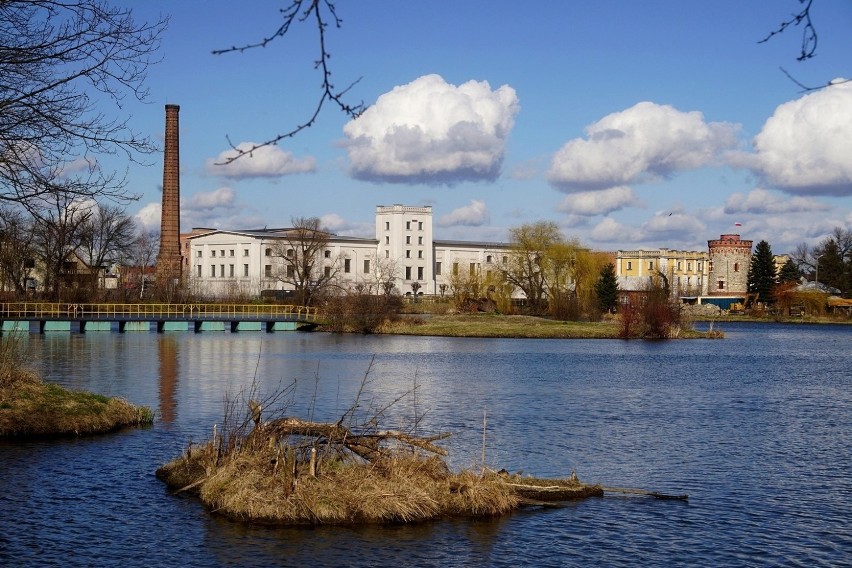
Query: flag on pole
{"points": [[738, 224]]}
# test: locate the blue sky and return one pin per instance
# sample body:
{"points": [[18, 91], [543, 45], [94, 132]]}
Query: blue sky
{"points": [[659, 123]]}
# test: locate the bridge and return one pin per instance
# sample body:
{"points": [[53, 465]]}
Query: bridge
{"points": [[40, 317]]}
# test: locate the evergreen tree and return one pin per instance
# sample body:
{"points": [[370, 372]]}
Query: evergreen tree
{"points": [[761, 273], [789, 272], [606, 289]]}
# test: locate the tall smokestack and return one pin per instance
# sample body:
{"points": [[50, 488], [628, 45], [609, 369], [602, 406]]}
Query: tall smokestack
{"points": [[169, 259]]}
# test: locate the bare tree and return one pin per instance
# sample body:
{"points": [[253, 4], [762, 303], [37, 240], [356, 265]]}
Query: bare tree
{"points": [[305, 259], [141, 255], [17, 258], [61, 65], [56, 237], [320, 13], [105, 238]]}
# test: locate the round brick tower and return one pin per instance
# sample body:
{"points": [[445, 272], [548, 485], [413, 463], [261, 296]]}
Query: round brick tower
{"points": [[730, 258]]}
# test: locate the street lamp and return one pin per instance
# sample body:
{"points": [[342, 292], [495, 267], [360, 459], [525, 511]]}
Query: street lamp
{"points": [[816, 278]]}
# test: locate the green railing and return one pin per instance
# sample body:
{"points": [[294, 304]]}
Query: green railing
{"points": [[265, 312]]}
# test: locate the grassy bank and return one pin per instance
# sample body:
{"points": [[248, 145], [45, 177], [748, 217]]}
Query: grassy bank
{"points": [[491, 325], [31, 407]]}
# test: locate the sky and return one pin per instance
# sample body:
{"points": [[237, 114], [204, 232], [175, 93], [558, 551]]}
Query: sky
{"points": [[661, 123]]}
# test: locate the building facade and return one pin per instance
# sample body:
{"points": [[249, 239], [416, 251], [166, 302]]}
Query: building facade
{"points": [[229, 263]]}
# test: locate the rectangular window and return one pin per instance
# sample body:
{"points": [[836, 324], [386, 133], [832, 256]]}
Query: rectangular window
{"points": [[408, 273], [327, 271], [488, 259], [245, 270], [505, 260], [212, 271], [268, 252], [387, 240], [420, 254], [419, 240], [291, 271], [213, 253], [472, 268], [678, 265], [198, 270], [198, 254], [222, 270], [420, 273], [651, 265], [231, 271], [328, 254], [721, 284], [367, 266], [267, 270], [231, 252], [245, 252], [408, 239], [222, 253], [420, 226], [437, 268], [387, 225], [688, 266], [455, 269], [347, 265], [629, 265], [387, 254], [408, 254], [408, 225]]}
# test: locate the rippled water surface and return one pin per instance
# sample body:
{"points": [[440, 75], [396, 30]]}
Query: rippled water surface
{"points": [[756, 428]]}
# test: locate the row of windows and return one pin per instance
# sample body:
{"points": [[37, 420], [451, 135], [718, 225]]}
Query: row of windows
{"points": [[407, 225], [222, 253], [679, 266], [221, 272], [267, 269]]}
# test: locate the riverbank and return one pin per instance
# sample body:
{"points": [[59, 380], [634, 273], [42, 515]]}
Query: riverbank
{"points": [[31, 407], [526, 327]]}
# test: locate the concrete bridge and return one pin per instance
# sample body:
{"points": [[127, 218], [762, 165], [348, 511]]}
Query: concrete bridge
{"points": [[41, 317]]}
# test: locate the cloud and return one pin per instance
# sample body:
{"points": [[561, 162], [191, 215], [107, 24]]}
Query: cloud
{"points": [[263, 162], [760, 201], [611, 231], [675, 225], [805, 146], [645, 142], [201, 201], [473, 215], [339, 226], [590, 203], [430, 131], [148, 218]]}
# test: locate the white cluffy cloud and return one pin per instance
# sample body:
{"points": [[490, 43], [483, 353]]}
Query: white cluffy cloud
{"points": [[591, 203], [645, 142], [430, 131], [474, 214], [763, 201], [263, 162], [805, 147]]}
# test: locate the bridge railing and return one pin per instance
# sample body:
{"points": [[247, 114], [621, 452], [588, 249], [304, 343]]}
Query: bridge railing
{"points": [[47, 310]]}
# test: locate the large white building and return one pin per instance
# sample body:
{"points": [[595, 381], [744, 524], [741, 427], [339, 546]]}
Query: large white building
{"points": [[235, 262]]}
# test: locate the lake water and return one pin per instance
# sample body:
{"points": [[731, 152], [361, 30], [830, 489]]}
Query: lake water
{"points": [[756, 428]]}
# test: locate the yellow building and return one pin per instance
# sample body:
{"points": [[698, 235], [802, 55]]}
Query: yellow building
{"points": [[685, 272]]}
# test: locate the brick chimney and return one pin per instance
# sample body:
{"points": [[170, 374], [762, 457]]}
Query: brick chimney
{"points": [[169, 258]]}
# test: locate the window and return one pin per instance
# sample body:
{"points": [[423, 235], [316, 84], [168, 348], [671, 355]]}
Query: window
{"points": [[678, 265], [387, 225], [245, 252], [198, 270], [267, 270], [222, 270], [455, 268], [472, 268], [387, 240], [688, 266], [347, 265], [408, 225], [291, 253], [231, 252], [420, 254], [198, 254], [408, 273], [387, 254], [212, 271], [268, 252], [505, 260], [736, 267], [420, 226], [651, 265], [419, 240], [408, 240], [437, 268], [231, 270], [222, 252], [327, 271], [367, 266], [629, 265], [213, 253], [407, 254], [721, 284], [327, 254], [420, 273], [245, 270], [711, 266], [291, 271]]}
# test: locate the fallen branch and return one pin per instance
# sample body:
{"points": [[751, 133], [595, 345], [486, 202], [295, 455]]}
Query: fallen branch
{"points": [[654, 494]]}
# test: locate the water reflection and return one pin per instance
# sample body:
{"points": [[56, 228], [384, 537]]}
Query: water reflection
{"points": [[167, 356]]}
